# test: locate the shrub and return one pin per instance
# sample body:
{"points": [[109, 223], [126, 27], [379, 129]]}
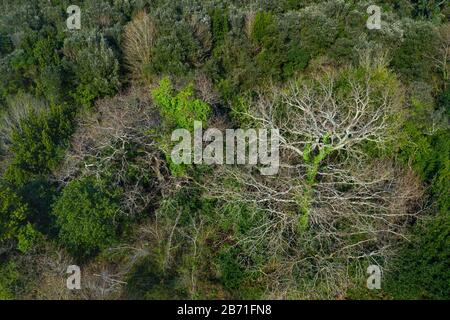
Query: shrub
{"points": [[413, 55], [178, 49], [9, 280], [38, 143], [19, 108], [318, 31], [182, 109], [297, 59], [37, 64], [261, 27], [96, 71], [178, 111], [421, 270], [6, 45], [28, 238], [233, 67], [13, 213], [169, 56], [49, 84], [87, 214], [232, 273], [220, 25]]}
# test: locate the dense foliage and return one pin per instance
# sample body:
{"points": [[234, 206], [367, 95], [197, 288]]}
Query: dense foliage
{"points": [[86, 176]]}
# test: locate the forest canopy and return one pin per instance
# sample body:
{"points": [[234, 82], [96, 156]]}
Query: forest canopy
{"points": [[87, 176]]}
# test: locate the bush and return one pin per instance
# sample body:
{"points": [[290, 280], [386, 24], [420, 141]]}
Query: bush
{"points": [[232, 273], [412, 58], [6, 45], [9, 280], [262, 26], [178, 111], [96, 70], [87, 214], [318, 30], [182, 109], [220, 25], [421, 271], [28, 238], [49, 84], [38, 143], [180, 48], [13, 213]]}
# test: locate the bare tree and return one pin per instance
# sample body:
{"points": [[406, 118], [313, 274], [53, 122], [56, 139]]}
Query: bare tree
{"points": [[331, 206], [117, 142], [138, 40], [314, 116]]}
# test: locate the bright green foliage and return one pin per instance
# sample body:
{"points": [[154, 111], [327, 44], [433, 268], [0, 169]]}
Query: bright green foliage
{"points": [[87, 215], [180, 110], [28, 238], [39, 143], [313, 162]]}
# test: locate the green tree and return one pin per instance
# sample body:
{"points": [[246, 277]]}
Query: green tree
{"points": [[38, 143], [88, 216], [182, 109], [262, 26], [412, 57], [9, 280], [220, 25], [13, 213], [422, 269], [95, 68]]}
